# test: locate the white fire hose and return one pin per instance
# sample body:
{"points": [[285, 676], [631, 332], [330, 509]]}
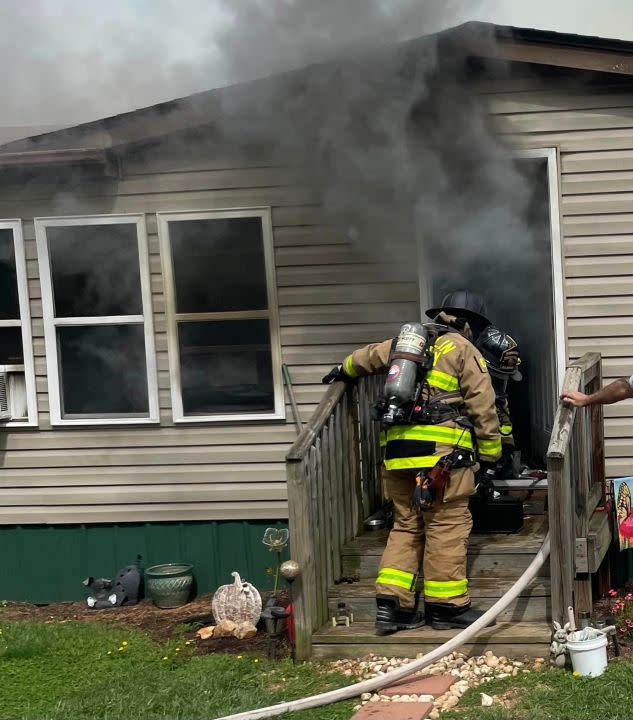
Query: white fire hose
{"points": [[389, 678]]}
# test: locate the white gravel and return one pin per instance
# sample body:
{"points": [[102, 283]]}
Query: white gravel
{"points": [[471, 671]]}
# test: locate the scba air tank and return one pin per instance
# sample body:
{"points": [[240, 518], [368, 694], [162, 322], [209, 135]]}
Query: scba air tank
{"points": [[402, 378]]}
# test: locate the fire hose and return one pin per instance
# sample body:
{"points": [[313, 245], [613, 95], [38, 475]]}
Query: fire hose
{"points": [[389, 678]]}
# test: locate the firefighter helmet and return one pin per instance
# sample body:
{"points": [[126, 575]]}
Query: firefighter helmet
{"points": [[500, 351], [463, 303]]}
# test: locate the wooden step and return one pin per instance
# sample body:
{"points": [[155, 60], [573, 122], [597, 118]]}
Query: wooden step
{"points": [[501, 556], [509, 639], [533, 604]]}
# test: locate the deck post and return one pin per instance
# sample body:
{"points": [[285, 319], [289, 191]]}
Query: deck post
{"points": [[561, 503], [299, 517], [576, 486]]}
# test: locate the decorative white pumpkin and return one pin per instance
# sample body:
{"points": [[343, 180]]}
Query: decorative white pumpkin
{"points": [[239, 602]]}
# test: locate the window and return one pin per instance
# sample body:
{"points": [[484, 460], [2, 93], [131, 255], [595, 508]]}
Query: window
{"points": [[16, 347], [224, 352], [98, 329]]}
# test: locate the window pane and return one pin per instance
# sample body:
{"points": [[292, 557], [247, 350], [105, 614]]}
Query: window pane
{"points": [[102, 370], [226, 367], [95, 270], [11, 352], [218, 265], [9, 306]]}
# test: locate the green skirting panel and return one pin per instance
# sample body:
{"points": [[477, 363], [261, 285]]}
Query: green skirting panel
{"points": [[46, 563]]}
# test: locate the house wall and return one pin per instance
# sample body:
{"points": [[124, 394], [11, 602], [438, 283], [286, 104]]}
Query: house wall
{"points": [[332, 298], [593, 132]]}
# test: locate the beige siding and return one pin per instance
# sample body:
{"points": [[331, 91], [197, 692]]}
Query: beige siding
{"points": [[594, 135], [331, 296]]}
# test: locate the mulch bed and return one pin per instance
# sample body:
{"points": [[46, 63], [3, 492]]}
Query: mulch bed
{"points": [[157, 622]]}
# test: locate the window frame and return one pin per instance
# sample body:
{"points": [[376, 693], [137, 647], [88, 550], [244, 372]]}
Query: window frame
{"points": [[51, 323], [173, 317], [24, 323]]}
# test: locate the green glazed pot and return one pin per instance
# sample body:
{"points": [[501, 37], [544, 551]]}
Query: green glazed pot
{"points": [[169, 585]]}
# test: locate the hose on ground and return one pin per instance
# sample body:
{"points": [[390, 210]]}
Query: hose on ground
{"points": [[393, 676]]}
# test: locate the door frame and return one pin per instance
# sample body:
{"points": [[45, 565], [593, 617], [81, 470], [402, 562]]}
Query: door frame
{"points": [[556, 254], [425, 271]]}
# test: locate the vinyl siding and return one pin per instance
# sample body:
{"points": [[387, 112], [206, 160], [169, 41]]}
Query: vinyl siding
{"points": [[594, 135], [332, 297]]}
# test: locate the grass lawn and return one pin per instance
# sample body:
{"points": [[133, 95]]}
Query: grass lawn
{"points": [[553, 694], [76, 671], [73, 671]]}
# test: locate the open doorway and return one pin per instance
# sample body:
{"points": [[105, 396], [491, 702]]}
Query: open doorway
{"points": [[525, 298]]}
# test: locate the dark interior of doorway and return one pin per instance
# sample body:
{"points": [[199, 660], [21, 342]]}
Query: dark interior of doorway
{"points": [[517, 286]]}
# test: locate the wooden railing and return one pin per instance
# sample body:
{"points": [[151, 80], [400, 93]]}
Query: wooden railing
{"points": [[334, 482], [580, 537]]}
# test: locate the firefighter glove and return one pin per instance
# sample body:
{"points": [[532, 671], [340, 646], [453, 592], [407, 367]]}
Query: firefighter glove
{"points": [[484, 481], [336, 373]]}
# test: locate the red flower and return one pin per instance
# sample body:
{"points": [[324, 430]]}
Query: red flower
{"points": [[613, 593]]}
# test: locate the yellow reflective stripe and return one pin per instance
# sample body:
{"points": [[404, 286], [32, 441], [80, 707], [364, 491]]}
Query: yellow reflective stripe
{"points": [[448, 588], [413, 463], [432, 433], [385, 579], [348, 367], [402, 574], [506, 429], [442, 347], [383, 438], [442, 380], [489, 447], [398, 578]]}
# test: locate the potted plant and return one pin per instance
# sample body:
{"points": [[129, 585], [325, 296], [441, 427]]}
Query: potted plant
{"points": [[169, 585]]}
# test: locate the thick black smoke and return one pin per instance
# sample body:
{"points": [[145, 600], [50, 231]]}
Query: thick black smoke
{"points": [[399, 147], [396, 141]]}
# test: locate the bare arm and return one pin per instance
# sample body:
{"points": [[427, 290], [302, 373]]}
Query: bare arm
{"points": [[616, 391]]}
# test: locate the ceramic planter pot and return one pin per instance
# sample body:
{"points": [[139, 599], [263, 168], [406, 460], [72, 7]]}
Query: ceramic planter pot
{"points": [[169, 585]]}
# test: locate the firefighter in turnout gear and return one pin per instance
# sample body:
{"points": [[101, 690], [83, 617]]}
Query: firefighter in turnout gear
{"points": [[454, 423], [501, 353]]}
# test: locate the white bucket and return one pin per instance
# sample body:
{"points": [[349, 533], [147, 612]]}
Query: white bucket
{"points": [[588, 657]]}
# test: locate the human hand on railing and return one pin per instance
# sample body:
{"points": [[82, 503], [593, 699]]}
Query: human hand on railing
{"points": [[335, 374], [575, 398]]}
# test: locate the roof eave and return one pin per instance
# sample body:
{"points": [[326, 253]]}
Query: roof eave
{"points": [[75, 157], [577, 53]]}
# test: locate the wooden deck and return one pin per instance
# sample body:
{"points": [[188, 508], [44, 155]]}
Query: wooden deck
{"points": [[488, 555], [495, 562], [532, 605], [510, 639]]}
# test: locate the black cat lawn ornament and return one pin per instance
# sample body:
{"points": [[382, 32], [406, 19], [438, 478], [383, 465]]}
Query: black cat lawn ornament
{"points": [[122, 590]]}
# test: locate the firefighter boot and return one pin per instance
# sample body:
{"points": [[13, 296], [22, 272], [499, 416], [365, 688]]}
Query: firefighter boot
{"points": [[390, 617], [446, 617]]}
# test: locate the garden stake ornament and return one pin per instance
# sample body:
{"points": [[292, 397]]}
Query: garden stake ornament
{"points": [[276, 540]]}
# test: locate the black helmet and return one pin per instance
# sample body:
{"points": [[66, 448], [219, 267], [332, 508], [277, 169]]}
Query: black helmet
{"points": [[462, 303], [500, 351]]}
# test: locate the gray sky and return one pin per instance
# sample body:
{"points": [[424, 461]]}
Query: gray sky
{"points": [[67, 61]]}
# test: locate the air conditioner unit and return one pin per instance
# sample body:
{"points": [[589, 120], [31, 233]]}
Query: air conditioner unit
{"points": [[5, 412], [13, 404]]}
